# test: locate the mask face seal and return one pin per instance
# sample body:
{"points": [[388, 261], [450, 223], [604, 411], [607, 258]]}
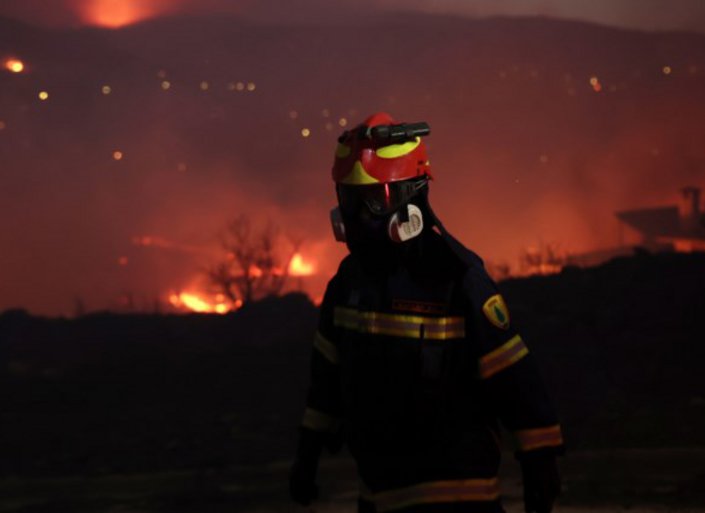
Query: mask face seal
{"points": [[336, 220], [378, 199]]}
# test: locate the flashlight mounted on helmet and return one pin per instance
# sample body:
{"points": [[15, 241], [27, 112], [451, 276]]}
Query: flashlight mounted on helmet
{"points": [[384, 135]]}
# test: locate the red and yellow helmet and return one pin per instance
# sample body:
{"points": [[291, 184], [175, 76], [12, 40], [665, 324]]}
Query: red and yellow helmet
{"points": [[381, 151]]}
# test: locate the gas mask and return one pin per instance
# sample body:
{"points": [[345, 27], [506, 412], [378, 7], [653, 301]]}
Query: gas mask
{"points": [[376, 214]]}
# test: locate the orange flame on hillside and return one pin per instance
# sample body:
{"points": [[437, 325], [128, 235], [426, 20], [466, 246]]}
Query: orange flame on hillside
{"points": [[201, 303], [208, 303], [299, 267], [119, 13]]}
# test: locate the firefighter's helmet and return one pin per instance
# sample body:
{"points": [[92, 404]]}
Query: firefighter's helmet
{"points": [[379, 167]]}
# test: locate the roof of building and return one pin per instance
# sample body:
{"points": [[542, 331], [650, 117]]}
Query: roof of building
{"points": [[662, 222]]}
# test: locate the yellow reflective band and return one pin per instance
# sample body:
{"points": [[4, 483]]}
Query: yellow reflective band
{"points": [[457, 490], [342, 151], [528, 439], [358, 176], [502, 357], [397, 150], [319, 421], [326, 347], [409, 326]]}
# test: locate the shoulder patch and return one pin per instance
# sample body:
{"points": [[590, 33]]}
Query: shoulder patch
{"points": [[496, 311]]}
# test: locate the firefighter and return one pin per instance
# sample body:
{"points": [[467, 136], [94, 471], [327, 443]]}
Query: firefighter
{"points": [[416, 362]]}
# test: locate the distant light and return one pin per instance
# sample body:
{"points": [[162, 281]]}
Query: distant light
{"points": [[3, 125], [251, 86], [107, 90], [305, 132], [204, 86], [293, 114], [231, 86], [14, 65], [123, 261], [343, 122], [117, 155], [543, 159], [667, 70], [182, 166], [595, 83], [161, 73], [240, 86], [329, 126], [43, 95], [325, 113], [693, 69], [166, 85]]}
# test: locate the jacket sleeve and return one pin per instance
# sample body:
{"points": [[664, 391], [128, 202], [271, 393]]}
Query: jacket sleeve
{"points": [[507, 370], [323, 404]]}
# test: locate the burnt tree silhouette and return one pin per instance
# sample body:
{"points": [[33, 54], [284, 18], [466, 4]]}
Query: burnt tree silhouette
{"points": [[256, 262]]}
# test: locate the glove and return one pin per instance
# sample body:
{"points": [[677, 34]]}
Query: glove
{"points": [[302, 477], [542, 482]]}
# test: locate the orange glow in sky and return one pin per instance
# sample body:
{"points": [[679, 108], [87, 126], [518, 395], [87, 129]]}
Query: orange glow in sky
{"points": [[119, 13]]}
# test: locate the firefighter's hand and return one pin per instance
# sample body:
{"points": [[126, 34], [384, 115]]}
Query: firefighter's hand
{"points": [[302, 487], [542, 482]]}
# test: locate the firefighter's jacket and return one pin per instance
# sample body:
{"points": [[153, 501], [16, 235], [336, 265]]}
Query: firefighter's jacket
{"points": [[417, 366]]}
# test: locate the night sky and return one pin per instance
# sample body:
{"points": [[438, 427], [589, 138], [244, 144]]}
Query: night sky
{"points": [[640, 14], [135, 130]]}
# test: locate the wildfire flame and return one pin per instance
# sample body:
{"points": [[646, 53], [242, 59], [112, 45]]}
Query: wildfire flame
{"points": [[299, 267], [119, 13], [201, 303]]}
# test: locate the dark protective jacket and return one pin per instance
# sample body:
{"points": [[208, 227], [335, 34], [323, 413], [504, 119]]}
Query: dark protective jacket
{"points": [[415, 365]]}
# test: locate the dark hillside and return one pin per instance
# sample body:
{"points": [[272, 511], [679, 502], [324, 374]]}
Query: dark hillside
{"points": [[620, 345]]}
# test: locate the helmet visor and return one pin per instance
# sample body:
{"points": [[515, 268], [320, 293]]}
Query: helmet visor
{"points": [[379, 199]]}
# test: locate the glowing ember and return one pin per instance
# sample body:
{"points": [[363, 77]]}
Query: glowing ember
{"points": [[299, 267], [201, 303], [118, 13], [14, 65]]}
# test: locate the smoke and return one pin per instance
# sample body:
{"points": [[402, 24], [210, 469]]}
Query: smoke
{"points": [[645, 15]]}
